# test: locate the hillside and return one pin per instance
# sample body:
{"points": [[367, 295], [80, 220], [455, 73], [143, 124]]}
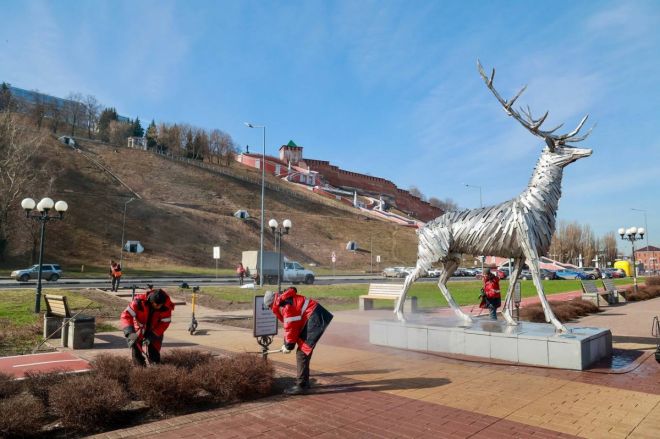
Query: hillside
{"points": [[184, 211]]}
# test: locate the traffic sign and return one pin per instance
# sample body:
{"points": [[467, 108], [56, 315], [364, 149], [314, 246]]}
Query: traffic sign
{"points": [[334, 257], [216, 252]]}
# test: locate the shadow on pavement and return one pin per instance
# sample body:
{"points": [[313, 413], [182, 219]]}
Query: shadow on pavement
{"points": [[109, 341], [381, 385]]}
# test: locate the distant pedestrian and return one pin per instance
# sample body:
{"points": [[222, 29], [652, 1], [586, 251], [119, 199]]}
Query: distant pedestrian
{"points": [[144, 322], [491, 297], [304, 321], [115, 275], [240, 272]]}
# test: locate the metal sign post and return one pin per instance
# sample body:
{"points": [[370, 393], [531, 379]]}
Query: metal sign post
{"points": [[264, 324], [216, 256], [378, 263]]}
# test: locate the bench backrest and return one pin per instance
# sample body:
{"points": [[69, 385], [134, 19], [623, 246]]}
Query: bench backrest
{"points": [[589, 287], [609, 285], [385, 289], [57, 306]]}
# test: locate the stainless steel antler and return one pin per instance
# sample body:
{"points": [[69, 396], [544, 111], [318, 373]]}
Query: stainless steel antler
{"points": [[529, 122]]}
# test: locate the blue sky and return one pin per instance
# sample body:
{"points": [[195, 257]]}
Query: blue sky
{"points": [[388, 88]]}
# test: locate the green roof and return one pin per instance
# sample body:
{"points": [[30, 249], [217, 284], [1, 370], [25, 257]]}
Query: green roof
{"points": [[292, 143]]}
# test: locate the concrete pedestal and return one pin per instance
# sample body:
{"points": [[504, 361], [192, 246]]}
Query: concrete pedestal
{"points": [[80, 333], [52, 327], [528, 343]]}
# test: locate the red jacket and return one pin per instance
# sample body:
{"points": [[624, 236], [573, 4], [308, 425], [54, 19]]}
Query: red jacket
{"points": [[492, 286], [294, 311], [140, 317]]}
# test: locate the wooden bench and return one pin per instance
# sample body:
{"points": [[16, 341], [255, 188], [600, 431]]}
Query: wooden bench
{"points": [[386, 292], [611, 289], [59, 322], [591, 293]]}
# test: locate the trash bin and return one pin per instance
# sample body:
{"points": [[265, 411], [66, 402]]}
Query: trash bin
{"points": [[81, 331]]}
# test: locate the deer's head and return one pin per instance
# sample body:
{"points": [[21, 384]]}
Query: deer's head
{"points": [[558, 150]]}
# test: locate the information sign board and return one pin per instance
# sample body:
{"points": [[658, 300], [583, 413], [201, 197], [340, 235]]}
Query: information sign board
{"points": [[216, 252], [265, 322]]}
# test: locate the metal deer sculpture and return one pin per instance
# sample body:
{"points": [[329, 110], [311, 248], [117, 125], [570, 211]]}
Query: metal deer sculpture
{"points": [[520, 228]]}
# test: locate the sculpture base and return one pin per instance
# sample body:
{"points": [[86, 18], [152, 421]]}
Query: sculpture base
{"points": [[528, 343]]}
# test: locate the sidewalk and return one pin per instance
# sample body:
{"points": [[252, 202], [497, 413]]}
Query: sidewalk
{"points": [[370, 391]]}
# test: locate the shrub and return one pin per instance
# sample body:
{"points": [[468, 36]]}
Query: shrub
{"points": [[652, 281], [39, 383], [113, 367], [186, 358], [586, 306], [234, 378], [9, 386], [87, 402], [21, 415], [165, 388]]}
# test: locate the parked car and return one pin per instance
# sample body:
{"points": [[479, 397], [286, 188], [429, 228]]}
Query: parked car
{"points": [[592, 272], [394, 272], [545, 274], [572, 274], [500, 273], [50, 272], [294, 272], [461, 272], [604, 274], [434, 272], [470, 272], [616, 273]]}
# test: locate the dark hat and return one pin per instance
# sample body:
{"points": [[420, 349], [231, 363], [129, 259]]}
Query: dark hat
{"points": [[158, 297]]}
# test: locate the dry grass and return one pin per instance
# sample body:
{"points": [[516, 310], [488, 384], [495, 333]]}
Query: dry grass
{"points": [[564, 311], [165, 388], [186, 359], [644, 292], [87, 402], [39, 383], [652, 281], [21, 415], [228, 379], [9, 386], [113, 367]]}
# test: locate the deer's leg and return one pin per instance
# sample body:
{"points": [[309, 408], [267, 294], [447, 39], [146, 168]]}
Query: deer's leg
{"points": [[420, 269], [528, 245], [433, 246], [448, 267], [515, 274]]}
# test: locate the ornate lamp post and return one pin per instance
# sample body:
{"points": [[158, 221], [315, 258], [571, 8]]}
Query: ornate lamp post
{"points": [[279, 232], [42, 214], [633, 234]]}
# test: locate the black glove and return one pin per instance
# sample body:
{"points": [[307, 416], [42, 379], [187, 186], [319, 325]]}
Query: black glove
{"points": [[131, 339]]}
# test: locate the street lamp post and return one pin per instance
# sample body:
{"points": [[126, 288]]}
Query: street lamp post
{"points": [[263, 178], [42, 215], [279, 232], [481, 204], [632, 234], [123, 226]]}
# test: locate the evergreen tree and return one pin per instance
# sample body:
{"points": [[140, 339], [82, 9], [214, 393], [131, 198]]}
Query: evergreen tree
{"points": [[138, 131], [107, 116], [152, 135], [5, 97]]}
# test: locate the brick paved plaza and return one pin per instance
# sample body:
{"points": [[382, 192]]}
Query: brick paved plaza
{"points": [[368, 391]]}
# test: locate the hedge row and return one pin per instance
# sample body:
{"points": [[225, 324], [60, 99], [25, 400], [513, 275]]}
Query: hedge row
{"points": [[97, 400]]}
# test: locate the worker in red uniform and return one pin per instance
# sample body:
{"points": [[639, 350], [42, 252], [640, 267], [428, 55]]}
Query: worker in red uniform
{"points": [[115, 274], [144, 323], [304, 321], [491, 298]]}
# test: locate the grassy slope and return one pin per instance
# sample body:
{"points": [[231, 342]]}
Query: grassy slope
{"points": [[186, 211]]}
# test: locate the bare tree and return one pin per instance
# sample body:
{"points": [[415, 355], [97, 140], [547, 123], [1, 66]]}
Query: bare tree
{"points": [[417, 193], [17, 147], [92, 111], [39, 109], [609, 247], [227, 148], [446, 205], [56, 114], [119, 132], [74, 110]]}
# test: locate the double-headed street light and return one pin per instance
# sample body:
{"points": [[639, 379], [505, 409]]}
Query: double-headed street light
{"points": [[42, 214], [263, 178], [279, 232], [632, 234]]}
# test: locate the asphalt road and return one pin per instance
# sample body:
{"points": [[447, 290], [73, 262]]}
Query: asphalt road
{"points": [[202, 281]]}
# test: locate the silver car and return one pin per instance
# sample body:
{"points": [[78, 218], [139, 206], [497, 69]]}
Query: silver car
{"points": [[50, 272], [394, 272]]}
